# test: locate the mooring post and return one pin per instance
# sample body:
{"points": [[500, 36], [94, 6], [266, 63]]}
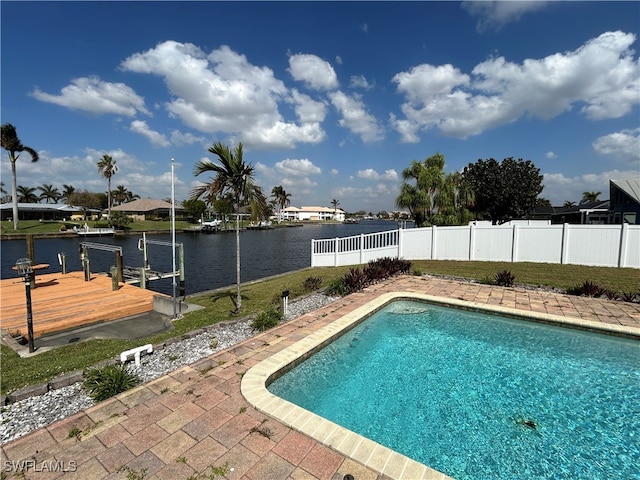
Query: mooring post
{"points": [[84, 257], [62, 260], [114, 278], [119, 267]]}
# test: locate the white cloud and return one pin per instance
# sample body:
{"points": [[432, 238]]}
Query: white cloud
{"points": [[601, 75], [294, 167], [307, 109], [360, 81], [93, 95], [371, 174], [495, 14], [315, 72], [624, 145], [223, 92], [356, 118], [550, 154], [181, 138], [141, 127], [334, 172]]}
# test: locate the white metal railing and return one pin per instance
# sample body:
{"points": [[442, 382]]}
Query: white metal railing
{"points": [[597, 245]]}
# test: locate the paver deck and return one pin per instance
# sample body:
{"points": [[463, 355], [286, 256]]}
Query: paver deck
{"points": [[195, 419]]}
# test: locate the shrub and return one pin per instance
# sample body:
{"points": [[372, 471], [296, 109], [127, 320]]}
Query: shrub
{"points": [[105, 382], [267, 319], [587, 289], [355, 280], [311, 283], [504, 279], [628, 296], [337, 288]]}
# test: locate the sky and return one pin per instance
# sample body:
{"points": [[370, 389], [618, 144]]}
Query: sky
{"points": [[331, 100]]}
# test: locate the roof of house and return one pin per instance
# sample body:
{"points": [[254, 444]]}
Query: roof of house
{"points": [[313, 209], [630, 186], [39, 207], [144, 205]]}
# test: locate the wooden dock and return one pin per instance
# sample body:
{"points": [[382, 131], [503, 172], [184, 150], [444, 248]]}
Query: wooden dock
{"points": [[62, 302]]}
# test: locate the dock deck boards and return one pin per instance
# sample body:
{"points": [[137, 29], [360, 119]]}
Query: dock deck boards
{"points": [[61, 302]]}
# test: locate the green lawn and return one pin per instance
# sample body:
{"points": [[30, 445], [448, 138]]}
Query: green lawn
{"points": [[258, 296]]}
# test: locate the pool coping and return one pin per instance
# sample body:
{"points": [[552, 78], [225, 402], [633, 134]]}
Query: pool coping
{"points": [[363, 450]]}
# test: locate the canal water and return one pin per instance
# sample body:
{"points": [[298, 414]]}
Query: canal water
{"points": [[209, 257]]}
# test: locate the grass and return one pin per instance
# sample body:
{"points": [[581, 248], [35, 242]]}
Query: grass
{"points": [[51, 226], [17, 372], [259, 296]]}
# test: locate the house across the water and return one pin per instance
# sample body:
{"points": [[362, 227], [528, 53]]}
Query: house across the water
{"points": [[312, 214]]}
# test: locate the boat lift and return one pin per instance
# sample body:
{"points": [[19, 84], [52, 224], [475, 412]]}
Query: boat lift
{"points": [[145, 273], [133, 275]]}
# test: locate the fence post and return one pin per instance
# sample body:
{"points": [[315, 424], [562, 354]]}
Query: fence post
{"points": [[472, 241], [433, 242], [335, 250], [361, 248], [514, 243], [400, 240], [313, 252], [564, 253], [624, 238]]}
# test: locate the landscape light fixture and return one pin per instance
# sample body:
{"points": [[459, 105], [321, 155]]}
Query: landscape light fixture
{"points": [[23, 267]]}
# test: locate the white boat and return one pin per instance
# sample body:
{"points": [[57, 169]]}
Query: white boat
{"points": [[87, 231], [212, 225]]}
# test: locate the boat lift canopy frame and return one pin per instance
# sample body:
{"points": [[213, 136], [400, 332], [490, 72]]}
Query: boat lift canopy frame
{"points": [[84, 257]]}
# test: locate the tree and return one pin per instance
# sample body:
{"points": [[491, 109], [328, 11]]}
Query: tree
{"points": [[590, 197], [194, 208], [123, 195], [543, 202], [119, 220], [49, 192], [281, 199], [334, 204], [67, 191], [27, 194], [234, 176], [12, 144], [503, 190], [87, 200], [569, 204], [107, 168], [430, 195]]}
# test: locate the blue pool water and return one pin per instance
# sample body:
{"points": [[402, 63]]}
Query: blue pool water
{"points": [[480, 397]]}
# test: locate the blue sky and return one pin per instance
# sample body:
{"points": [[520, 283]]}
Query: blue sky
{"points": [[331, 100]]}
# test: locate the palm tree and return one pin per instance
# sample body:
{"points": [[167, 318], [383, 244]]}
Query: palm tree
{"points": [[569, 204], [12, 144], [49, 192], [107, 168], [281, 199], [334, 204], [26, 194], [588, 197], [232, 176], [67, 191], [122, 195]]}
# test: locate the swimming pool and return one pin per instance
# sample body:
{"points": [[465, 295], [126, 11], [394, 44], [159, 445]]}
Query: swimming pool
{"points": [[490, 395]]}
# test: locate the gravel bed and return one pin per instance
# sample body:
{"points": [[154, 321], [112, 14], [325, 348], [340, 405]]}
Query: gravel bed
{"points": [[19, 418]]}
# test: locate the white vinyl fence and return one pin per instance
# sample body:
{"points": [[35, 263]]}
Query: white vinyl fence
{"points": [[597, 245]]}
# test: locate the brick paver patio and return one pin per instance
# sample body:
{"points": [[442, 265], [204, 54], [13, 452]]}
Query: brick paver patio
{"points": [[194, 421]]}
